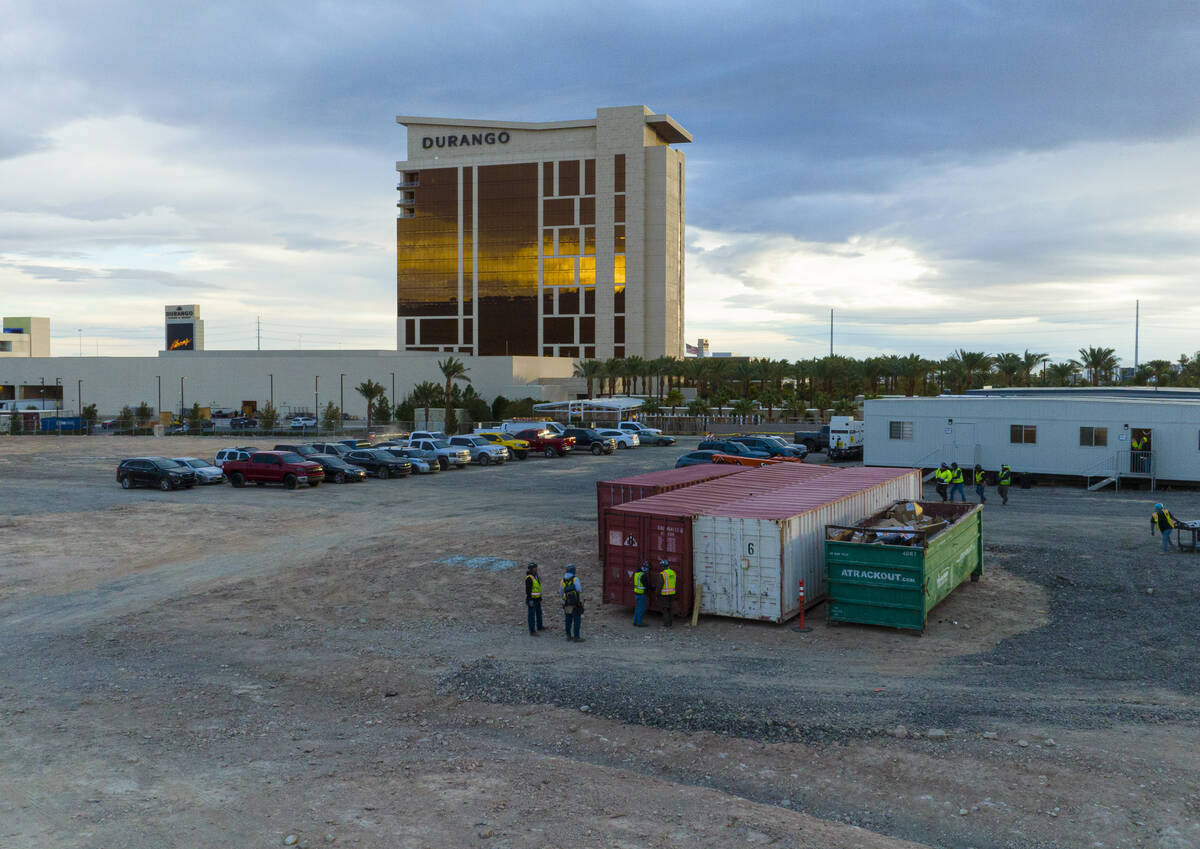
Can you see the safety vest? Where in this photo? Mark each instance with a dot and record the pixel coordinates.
(943, 476)
(1139, 444)
(535, 587)
(1159, 516)
(1005, 478)
(668, 587)
(639, 583)
(979, 477)
(956, 476)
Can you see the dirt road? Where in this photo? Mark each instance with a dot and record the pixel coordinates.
(349, 665)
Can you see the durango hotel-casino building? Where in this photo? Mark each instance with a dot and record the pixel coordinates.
(559, 239)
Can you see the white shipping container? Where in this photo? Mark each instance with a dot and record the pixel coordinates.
(751, 568)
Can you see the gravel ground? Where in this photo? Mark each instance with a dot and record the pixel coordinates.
(349, 665)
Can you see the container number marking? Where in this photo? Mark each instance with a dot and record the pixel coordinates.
(750, 549)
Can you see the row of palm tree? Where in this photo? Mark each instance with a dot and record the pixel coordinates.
(838, 376)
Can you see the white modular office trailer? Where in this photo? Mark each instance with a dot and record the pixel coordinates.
(1070, 434)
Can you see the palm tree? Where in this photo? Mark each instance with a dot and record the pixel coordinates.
(1059, 374)
(1158, 371)
(1098, 361)
(674, 399)
(425, 394)
(612, 370)
(769, 398)
(971, 365)
(589, 370)
(452, 370)
(370, 390)
(634, 368)
(746, 372)
(913, 368)
(716, 372)
(694, 371)
(1030, 362)
(1010, 367)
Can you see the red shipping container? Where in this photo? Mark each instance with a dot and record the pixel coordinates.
(623, 490)
(660, 528)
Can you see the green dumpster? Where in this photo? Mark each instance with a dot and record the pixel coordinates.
(899, 576)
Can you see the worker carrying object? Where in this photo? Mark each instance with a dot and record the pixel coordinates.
(666, 590)
(956, 482)
(1003, 482)
(942, 476)
(980, 483)
(572, 601)
(533, 600)
(1162, 519)
(641, 583)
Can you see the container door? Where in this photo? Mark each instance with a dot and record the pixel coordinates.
(670, 539)
(718, 571)
(622, 538)
(759, 558)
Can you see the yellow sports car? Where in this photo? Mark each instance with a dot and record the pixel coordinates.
(519, 448)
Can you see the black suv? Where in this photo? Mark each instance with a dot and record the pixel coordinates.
(242, 422)
(379, 463)
(726, 446)
(775, 449)
(586, 437)
(155, 471)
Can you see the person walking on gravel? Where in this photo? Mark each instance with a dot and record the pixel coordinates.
(942, 476)
(1003, 482)
(666, 590)
(956, 482)
(980, 483)
(533, 600)
(1162, 519)
(641, 583)
(572, 600)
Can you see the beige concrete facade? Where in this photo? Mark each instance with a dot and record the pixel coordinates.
(654, 224)
(24, 336)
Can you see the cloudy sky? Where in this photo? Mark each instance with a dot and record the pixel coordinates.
(995, 176)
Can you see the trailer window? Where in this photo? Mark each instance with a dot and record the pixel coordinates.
(1093, 437)
(900, 430)
(1022, 434)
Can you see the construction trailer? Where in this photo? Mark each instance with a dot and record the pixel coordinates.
(1105, 439)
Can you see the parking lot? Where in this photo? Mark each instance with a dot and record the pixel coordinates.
(350, 665)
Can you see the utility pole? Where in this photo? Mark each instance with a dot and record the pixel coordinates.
(1137, 320)
(831, 333)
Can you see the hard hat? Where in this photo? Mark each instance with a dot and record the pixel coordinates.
(1158, 506)
(532, 565)
(570, 569)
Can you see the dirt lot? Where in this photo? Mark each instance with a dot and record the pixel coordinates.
(349, 665)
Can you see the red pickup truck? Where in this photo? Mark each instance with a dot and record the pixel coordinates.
(282, 467)
(546, 442)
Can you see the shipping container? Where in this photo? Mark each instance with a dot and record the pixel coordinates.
(623, 490)
(660, 528)
(898, 585)
(750, 555)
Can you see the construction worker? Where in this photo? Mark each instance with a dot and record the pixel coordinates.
(572, 601)
(1137, 458)
(666, 590)
(980, 483)
(1003, 482)
(641, 583)
(956, 482)
(942, 476)
(1162, 519)
(533, 600)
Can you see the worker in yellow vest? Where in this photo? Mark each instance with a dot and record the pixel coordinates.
(641, 584)
(1003, 482)
(980, 483)
(533, 600)
(942, 476)
(1162, 519)
(666, 591)
(956, 482)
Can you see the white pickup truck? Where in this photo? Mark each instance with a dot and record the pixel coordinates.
(515, 426)
(647, 435)
(448, 455)
(482, 452)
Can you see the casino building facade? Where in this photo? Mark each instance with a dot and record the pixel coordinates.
(561, 239)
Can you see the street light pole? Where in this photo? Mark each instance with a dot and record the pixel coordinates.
(158, 409)
(342, 403)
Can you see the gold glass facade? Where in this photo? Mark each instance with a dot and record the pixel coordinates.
(477, 274)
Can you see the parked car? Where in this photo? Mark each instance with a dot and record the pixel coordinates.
(548, 443)
(797, 450)
(355, 443)
(206, 472)
(813, 440)
(155, 471)
(304, 449)
(241, 453)
(282, 467)
(338, 470)
(590, 438)
(516, 426)
(770, 446)
(337, 449)
(482, 452)
(518, 448)
(624, 439)
(427, 434)
(647, 435)
(301, 422)
(243, 423)
(696, 458)
(448, 455)
(423, 462)
(380, 463)
(203, 426)
(725, 446)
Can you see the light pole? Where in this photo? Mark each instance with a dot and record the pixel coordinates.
(79, 395)
(158, 409)
(182, 406)
(342, 403)
(272, 401)
(316, 404)
(393, 402)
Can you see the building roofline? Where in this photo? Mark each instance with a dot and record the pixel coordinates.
(668, 129)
